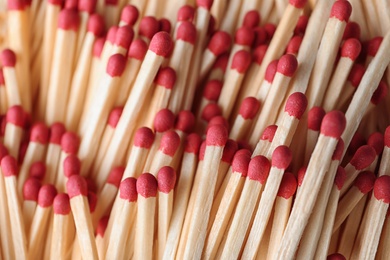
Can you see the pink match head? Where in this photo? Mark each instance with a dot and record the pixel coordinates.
(144, 137)
(269, 133)
(72, 165)
(221, 62)
(211, 110)
(137, 49)
(287, 65)
(281, 157)
(271, 71)
(376, 141)
(164, 120)
(165, 25)
(91, 185)
(357, 140)
(363, 157)
(57, 130)
(241, 61)
(352, 30)
(70, 142)
(185, 121)
(298, 3)
(98, 47)
(251, 19)
(206, 4)
(71, 4)
(300, 28)
(111, 34)
(229, 150)
(147, 185)
(259, 53)
(340, 177)
(166, 77)
(192, 143)
(219, 43)
(186, 32)
(351, 49)
(96, 25)
(338, 151)
(244, 36)
(217, 135)
(129, 15)
(46, 195)
(314, 118)
(241, 161)
(333, 124)
(365, 181)
(202, 150)
(301, 175)
(288, 186)
(2, 81)
(116, 65)
(166, 179)
(260, 36)
(9, 166)
(186, 13)
(92, 201)
(212, 90)
(77, 185)
(356, 74)
(258, 169)
(8, 58)
(37, 170)
(69, 19)
(115, 176)
(218, 120)
(294, 44)
(341, 10)
(249, 108)
(270, 29)
(31, 189)
(124, 36)
(387, 137)
(161, 44)
(373, 46)
(16, 116)
(61, 204)
(114, 116)
(56, 2)
(296, 105)
(102, 225)
(87, 6)
(382, 188)
(336, 256)
(148, 26)
(380, 93)
(3, 151)
(128, 189)
(16, 5)
(39, 133)
(170, 142)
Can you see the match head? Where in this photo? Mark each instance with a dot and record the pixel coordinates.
(166, 179)
(221, 62)
(87, 6)
(16, 116)
(92, 201)
(218, 120)
(356, 74)
(70, 142)
(3, 151)
(61, 204)
(166, 77)
(387, 137)
(186, 32)
(37, 170)
(241, 61)
(77, 185)
(338, 151)
(129, 15)
(69, 19)
(270, 29)
(288, 186)
(185, 121)
(296, 105)
(373, 46)
(363, 157)
(351, 49)
(116, 65)
(341, 10)
(376, 140)
(39, 133)
(9, 166)
(217, 135)
(8, 58)
(170, 142)
(148, 27)
(212, 90)
(333, 124)
(56, 2)
(111, 34)
(314, 118)
(2, 81)
(271, 71)
(111, 2)
(352, 30)
(71, 4)
(206, 4)
(251, 19)
(357, 140)
(260, 36)
(281, 157)
(258, 169)
(380, 93)
(102, 226)
(269, 133)
(249, 108)
(124, 36)
(128, 189)
(147, 185)
(98, 47)
(219, 43)
(244, 36)
(57, 130)
(298, 3)
(161, 44)
(114, 116)
(115, 176)
(382, 188)
(294, 44)
(165, 25)
(164, 120)
(210, 111)
(138, 49)
(240, 162)
(72, 165)
(31, 189)
(144, 138)
(16, 5)
(300, 28)
(46, 195)
(301, 175)
(259, 53)
(336, 256)
(340, 177)
(202, 150)
(229, 150)
(192, 143)
(365, 181)
(287, 65)
(185, 13)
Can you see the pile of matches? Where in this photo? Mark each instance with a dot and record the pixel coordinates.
(183, 129)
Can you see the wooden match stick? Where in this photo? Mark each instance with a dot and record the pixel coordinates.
(53, 152)
(30, 199)
(12, 90)
(14, 129)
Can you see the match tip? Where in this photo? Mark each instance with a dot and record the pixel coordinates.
(269, 133)
(164, 120)
(340, 177)
(336, 256)
(102, 226)
(357, 140)
(2, 81)
(333, 124)
(212, 90)
(16, 116)
(192, 143)
(69, 19)
(147, 185)
(338, 151)
(185, 121)
(221, 62)
(298, 3)
(186, 32)
(98, 47)
(244, 36)
(17, 5)
(76, 186)
(240, 162)
(296, 105)
(166, 77)
(219, 43)
(341, 10)
(352, 30)
(281, 157)
(87, 6)
(288, 186)
(166, 179)
(202, 149)
(271, 71)
(72, 165)
(229, 150)
(380, 93)
(241, 61)
(114, 116)
(92, 201)
(363, 157)
(61, 204)
(129, 15)
(258, 169)
(148, 27)
(218, 120)
(294, 44)
(138, 49)
(170, 142)
(39, 133)
(205, 3)
(387, 136)
(57, 130)
(161, 44)
(124, 36)
(210, 111)
(351, 49)
(301, 175)
(46, 195)
(300, 28)
(165, 25)
(251, 19)
(70, 142)
(8, 58)
(186, 13)
(37, 170)
(217, 135)
(3, 151)
(373, 46)
(116, 65)
(31, 189)
(376, 140)
(259, 53)
(382, 188)
(111, 34)
(144, 137)
(270, 29)
(261, 36)
(356, 74)
(128, 189)
(314, 118)
(9, 166)
(249, 108)
(287, 65)
(56, 2)
(115, 176)
(365, 181)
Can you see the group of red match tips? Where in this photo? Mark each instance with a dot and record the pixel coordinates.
(183, 129)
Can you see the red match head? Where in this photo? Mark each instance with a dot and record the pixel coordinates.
(357, 140)
(212, 90)
(365, 181)
(260, 36)
(351, 49)
(206, 4)
(114, 116)
(249, 108)
(71, 4)
(251, 19)
(165, 25)
(270, 30)
(92, 201)
(111, 34)
(128, 189)
(373, 46)
(241, 161)
(57, 130)
(244, 36)
(382, 189)
(124, 36)
(296, 105)
(333, 124)
(241, 61)
(258, 169)
(170, 142)
(115, 176)
(221, 62)
(31, 189)
(380, 93)
(9, 166)
(217, 135)
(144, 137)
(3, 151)
(298, 3)
(87, 6)
(17, 5)
(336, 256)
(294, 44)
(185, 121)
(219, 43)
(46, 195)
(259, 53)
(288, 186)
(229, 150)
(129, 15)
(186, 13)
(116, 65)
(2, 81)
(96, 25)
(39, 133)
(16, 116)
(202, 150)
(8, 58)
(69, 19)
(338, 151)
(164, 120)
(363, 157)
(61, 204)
(56, 2)
(166, 179)
(269, 133)
(271, 71)
(340, 177)
(300, 28)
(376, 140)
(98, 47)
(301, 175)
(186, 32)
(70, 142)
(192, 143)
(218, 120)
(314, 118)
(161, 44)
(72, 165)
(37, 170)
(387, 137)
(356, 74)
(352, 30)
(281, 157)
(147, 185)
(287, 65)
(148, 26)
(210, 111)
(77, 185)
(341, 10)
(102, 225)
(166, 77)
(138, 49)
